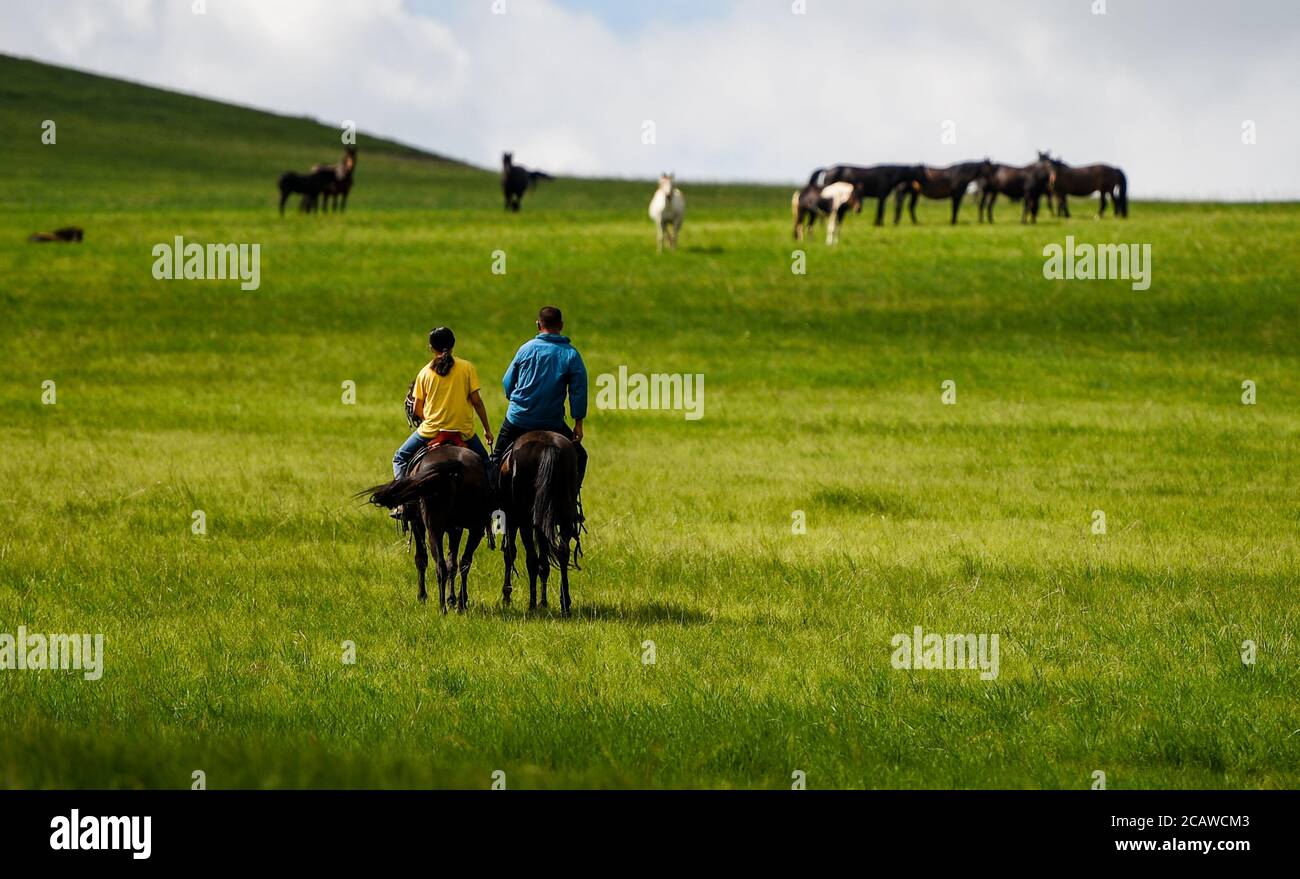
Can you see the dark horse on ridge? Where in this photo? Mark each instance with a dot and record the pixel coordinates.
(950, 182)
(320, 179)
(516, 180)
(335, 195)
(1028, 183)
(444, 492)
(1085, 180)
(539, 493)
(875, 181)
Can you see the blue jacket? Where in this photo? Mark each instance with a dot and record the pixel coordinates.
(545, 368)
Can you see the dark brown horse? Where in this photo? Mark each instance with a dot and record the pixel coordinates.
(1084, 180)
(950, 182)
(1040, 182)
(444, 493)
(539, 494)
(1014, 182)
(516, 180)
(334, 196)
(66, 235)
(316, 181)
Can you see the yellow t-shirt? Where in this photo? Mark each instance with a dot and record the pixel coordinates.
(445, 399)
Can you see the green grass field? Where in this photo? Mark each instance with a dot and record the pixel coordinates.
(1120, 652)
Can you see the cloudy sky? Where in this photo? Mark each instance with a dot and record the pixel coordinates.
(738, 89)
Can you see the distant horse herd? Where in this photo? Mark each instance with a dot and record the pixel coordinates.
(1047, 177)
(325, 186)
(831, 192)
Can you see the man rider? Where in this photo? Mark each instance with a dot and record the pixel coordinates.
(545, 369)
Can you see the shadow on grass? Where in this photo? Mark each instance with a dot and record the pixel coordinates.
(583, 612)
(713, 248)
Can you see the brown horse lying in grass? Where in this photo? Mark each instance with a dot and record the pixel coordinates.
(539, 493)
(444, 493)
(66, 235)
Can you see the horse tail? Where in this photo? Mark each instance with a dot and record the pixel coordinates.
(817, 177)
(411, 488)
(1121, 193)
(534, 176)
(554, 508)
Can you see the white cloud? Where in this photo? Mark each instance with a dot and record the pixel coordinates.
(752, 92)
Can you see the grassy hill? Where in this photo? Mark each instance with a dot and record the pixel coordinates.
(1120, 651)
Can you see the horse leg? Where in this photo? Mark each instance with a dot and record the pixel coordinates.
(564, 575)
(911, 206)
(898, 206)
(453, 549)
(471, 544)
(659, 236)
(284, 196)
(508, 550)
(1101, 212)
(440, 559)
(543, 561)
(440, 563)
(530, 561)
(421, 554)
(880, 210)
(956, 204)
(992, 201)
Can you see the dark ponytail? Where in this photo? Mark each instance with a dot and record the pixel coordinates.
(442, 339)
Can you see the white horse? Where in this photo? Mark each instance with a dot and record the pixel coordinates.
(667, 209)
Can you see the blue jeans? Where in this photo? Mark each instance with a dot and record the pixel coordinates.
(412, 445)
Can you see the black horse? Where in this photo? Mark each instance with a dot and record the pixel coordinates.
(950, 182)
(335, 195)
(1085, 180)
(310, 185)
(1040, 184)
(444, 493)
(539, 494)
(874, 181)
(1026, 182)
(516, 180)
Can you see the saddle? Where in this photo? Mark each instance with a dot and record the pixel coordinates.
(443, 438)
